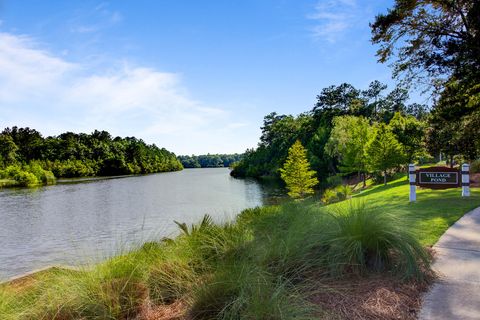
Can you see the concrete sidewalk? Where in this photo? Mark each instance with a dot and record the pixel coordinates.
(456, 295)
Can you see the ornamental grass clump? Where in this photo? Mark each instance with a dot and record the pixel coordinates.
(359, 238)
(8, 304)
(112, 290)
(289, 243)
(245, 291)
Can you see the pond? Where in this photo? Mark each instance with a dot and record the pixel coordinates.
(77, 222)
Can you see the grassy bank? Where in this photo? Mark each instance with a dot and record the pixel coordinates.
(295, 261)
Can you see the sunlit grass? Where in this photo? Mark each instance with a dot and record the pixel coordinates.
(432, 213)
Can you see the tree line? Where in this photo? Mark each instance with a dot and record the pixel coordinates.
(348, 131)
(79, 154)
(209, 160)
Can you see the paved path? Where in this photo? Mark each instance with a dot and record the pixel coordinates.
(456, 295)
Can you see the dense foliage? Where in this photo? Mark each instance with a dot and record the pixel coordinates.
(436, 43)
(384, 151)
(74, 155)
(336, 131)
(209, 160)
(26, 175)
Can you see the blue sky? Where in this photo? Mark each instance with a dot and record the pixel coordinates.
(192, 76)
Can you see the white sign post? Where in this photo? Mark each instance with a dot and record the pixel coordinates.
(465, 180)
(412, 176)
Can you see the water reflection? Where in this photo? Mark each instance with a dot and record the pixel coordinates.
(73, 223)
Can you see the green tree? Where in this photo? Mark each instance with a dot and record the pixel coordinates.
(384, 152)
(8, 150)
(455, 122)
(436, 42)
(296, 172)
(410, 133)
(347, 142)
(430, 38)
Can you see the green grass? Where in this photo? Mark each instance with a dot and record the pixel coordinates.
(432, 213)
(262, 266)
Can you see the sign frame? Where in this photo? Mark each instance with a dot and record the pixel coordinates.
(462, 177)
(438, 185)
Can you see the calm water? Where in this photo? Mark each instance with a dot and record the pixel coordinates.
(82, 222)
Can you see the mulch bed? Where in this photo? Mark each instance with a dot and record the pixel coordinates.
(376, 296)
(173, 311)
(371, 297)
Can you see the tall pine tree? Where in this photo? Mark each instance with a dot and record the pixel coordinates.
(296, 172)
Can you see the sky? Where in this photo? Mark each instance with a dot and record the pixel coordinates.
(192, 76)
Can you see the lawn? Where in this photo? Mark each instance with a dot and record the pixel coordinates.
(432, 213)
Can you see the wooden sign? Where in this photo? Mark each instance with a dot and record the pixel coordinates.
(438, 178)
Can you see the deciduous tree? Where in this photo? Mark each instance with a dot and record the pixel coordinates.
(347, 142)
(384, 152)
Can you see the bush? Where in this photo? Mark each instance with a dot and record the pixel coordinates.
(73, 168)
(26, 179)
(475, 166)
(27, 175)
(44, 176)
(334, 181)
(339, 193)
(360, 238)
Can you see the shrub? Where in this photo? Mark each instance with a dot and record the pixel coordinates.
(360, 238)
(28, 175)
(26, 179)
(73, 168)
(329, 196)
(10, 172)
(45, 176)
(339, 193)
(334, 181)
(343, 192)
(475, 166)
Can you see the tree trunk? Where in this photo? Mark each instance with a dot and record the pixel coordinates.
(385, 177)
(364, 178)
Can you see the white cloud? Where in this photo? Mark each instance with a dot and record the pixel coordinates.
(84, 29)
(45, 91)
(334, 18)
(95, 20)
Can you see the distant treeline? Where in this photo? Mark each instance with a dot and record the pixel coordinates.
(76, 155)
(210, 160)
